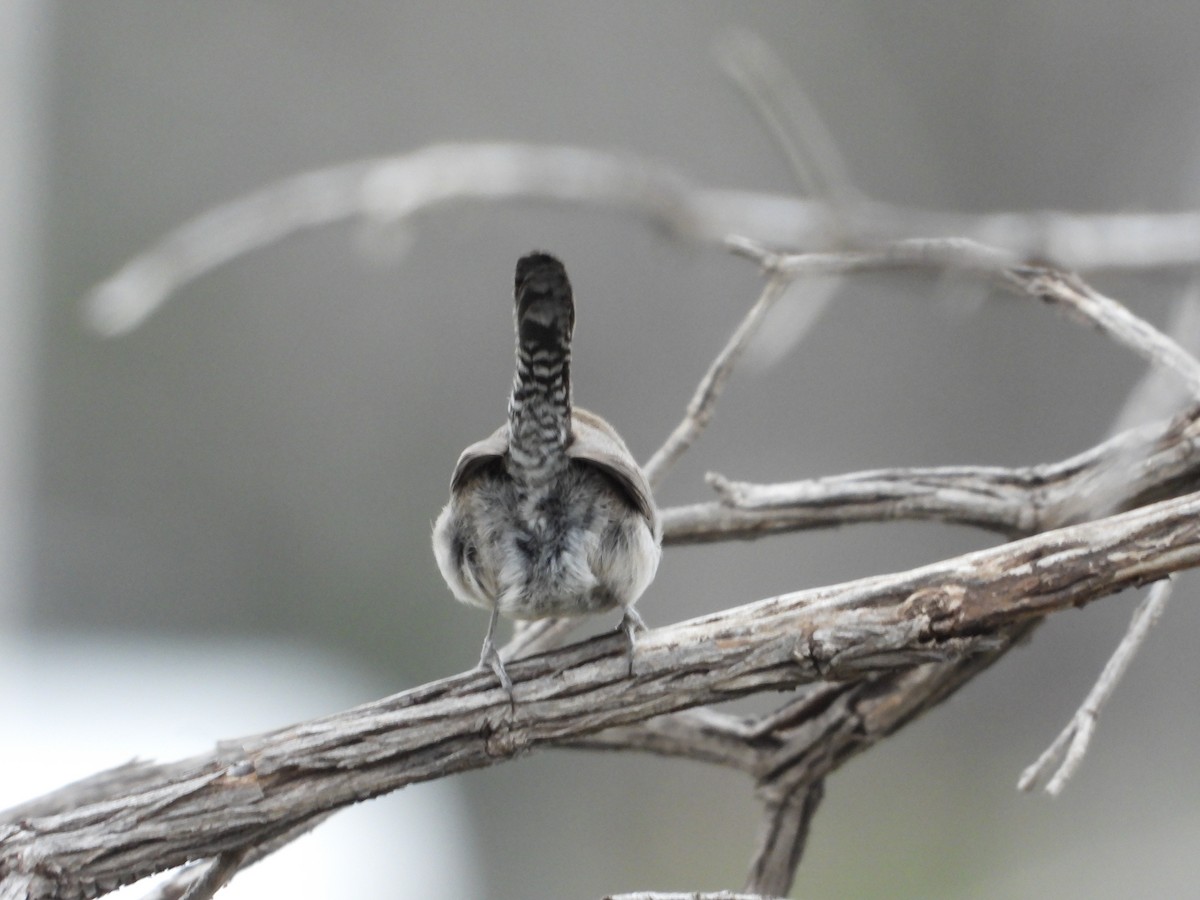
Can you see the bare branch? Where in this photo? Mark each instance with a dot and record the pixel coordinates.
(1158, 393)
(1012, 502)
(1058, 763)
(1088, 305)
(955, 253)
(1062, 289)
(990, 497)
(944, 612)
(820, 171)
(785, 831)
(397, 188)
(1054, 768)
(699, 734)
(791, 118)
(689, 895)
(703, 403)
(216, 875)
(177, 886)
(827, 724)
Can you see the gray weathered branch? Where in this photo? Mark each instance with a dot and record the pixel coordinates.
(251, 791)
(1060, 760)
(391, 189)
(786, 820)
(1011, 501)
(1132, 468)
(700, 408)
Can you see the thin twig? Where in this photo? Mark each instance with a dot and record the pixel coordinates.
(703, 403)
(1083, 302)
(819, 167)
(958, 254)
(1062, 289)
(689, 895)
(1054, 768)
(1157, 394)
(791, 118)
(177, 886)
(216, 875)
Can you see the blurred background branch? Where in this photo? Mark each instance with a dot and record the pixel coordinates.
(387, 191)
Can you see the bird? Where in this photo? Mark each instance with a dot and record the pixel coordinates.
(550, 515)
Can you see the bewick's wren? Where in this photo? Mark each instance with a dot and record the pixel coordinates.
(550, 515)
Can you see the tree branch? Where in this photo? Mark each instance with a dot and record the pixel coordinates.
(177, 886)
(1053, 286)
(786, 822)
(398, 188)
(790, 117)
(1134, 468)
(946, 612)
(703, 403)
(214, 875)
(1062, 758)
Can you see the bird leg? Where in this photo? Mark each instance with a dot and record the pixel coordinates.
(631, 624)
(489, 658)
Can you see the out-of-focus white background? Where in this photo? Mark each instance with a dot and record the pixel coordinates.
(219, 524)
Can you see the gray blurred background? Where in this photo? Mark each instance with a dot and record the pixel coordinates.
(262, 460)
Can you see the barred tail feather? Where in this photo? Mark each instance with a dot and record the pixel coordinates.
(539, 408)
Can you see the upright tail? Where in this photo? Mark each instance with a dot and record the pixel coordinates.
(539, 409)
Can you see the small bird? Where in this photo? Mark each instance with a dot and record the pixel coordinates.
(550, 515)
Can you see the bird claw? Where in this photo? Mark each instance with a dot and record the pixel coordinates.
(490, 659)
(631, 624)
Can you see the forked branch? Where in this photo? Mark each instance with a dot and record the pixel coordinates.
(261, 787)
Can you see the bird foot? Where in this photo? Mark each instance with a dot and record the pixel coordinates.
(490, 659)
(631, 624)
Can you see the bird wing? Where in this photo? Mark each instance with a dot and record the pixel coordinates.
(481, 453)
(597, 443)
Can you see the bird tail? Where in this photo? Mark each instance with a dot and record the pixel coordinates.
(539, 408)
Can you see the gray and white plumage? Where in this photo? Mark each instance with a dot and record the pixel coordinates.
(550, 515)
